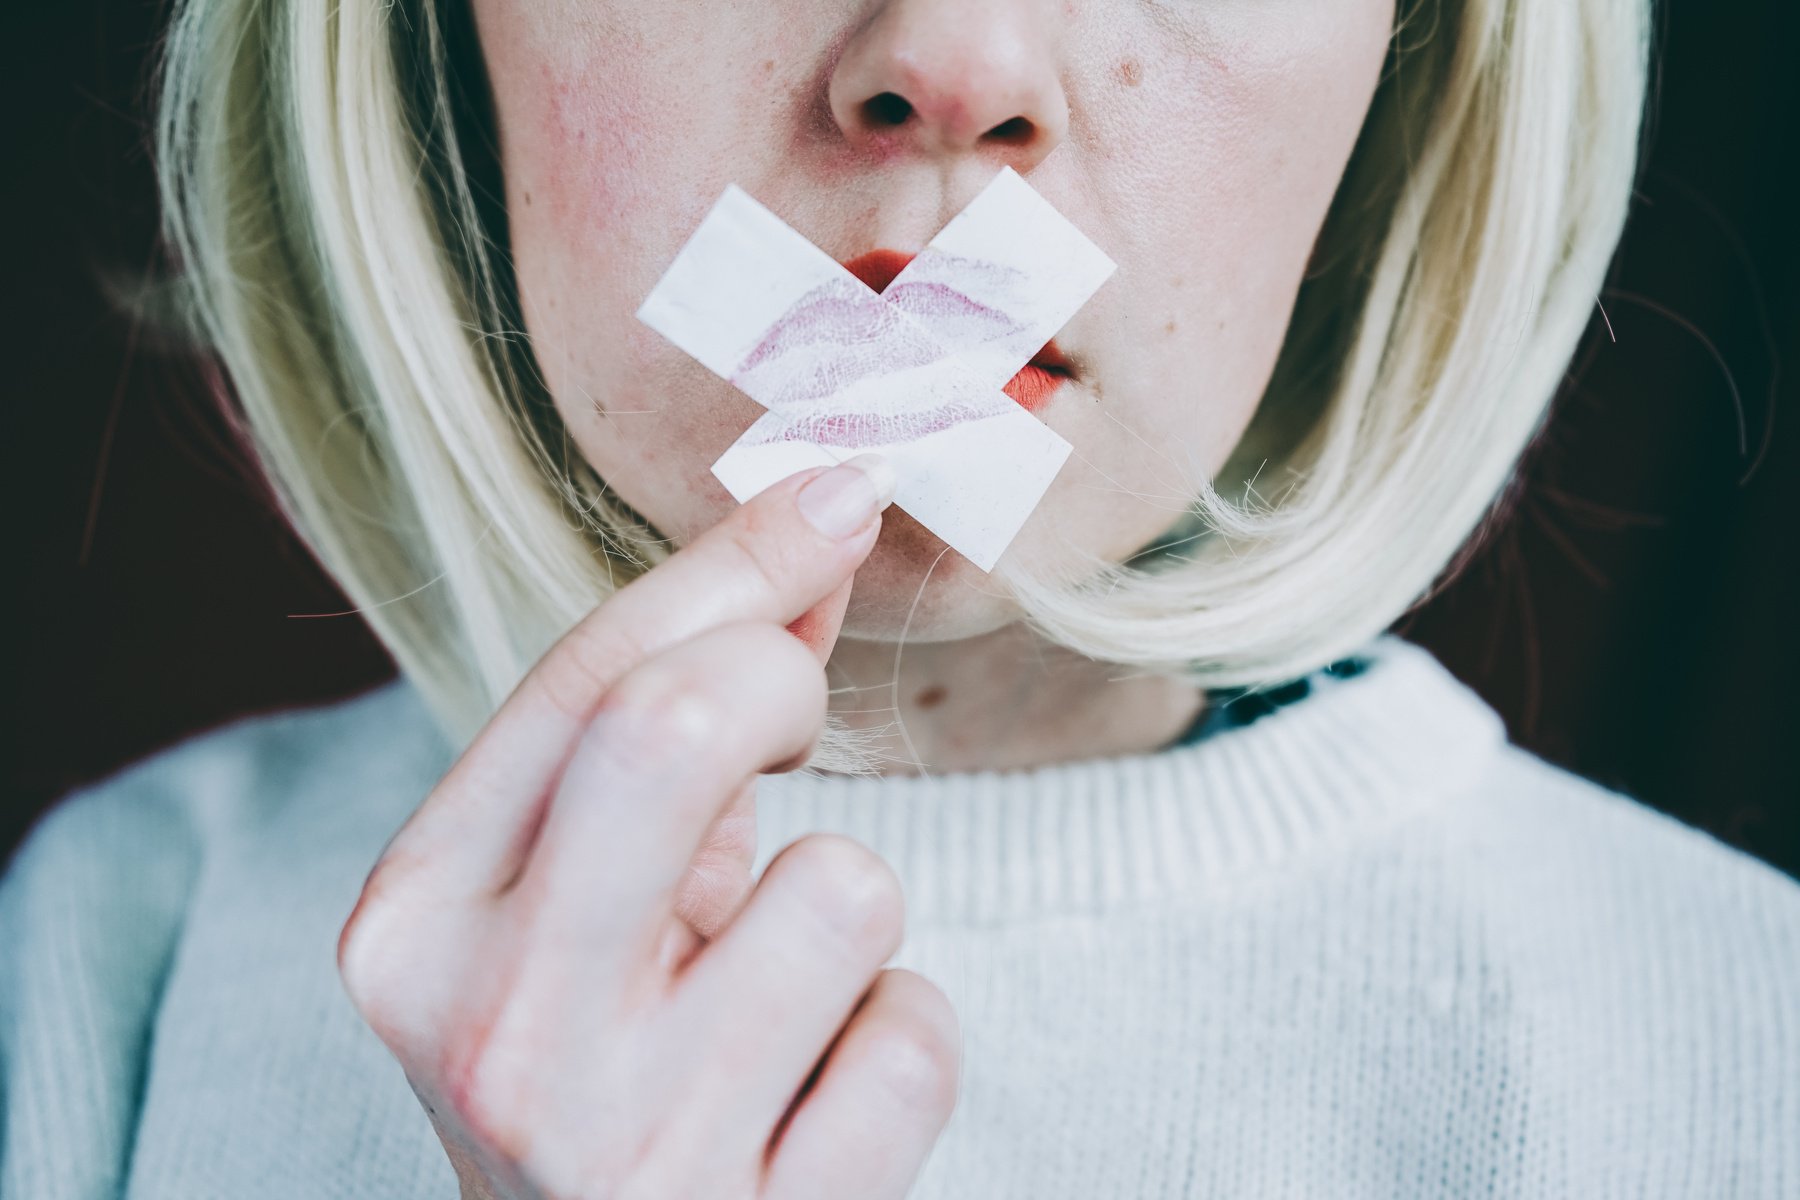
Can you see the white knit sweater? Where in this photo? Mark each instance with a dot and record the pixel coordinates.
(1359, 948)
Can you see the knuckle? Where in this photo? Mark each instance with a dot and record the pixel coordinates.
(575, 673)
(354, 969)
(496, 1102)
(914, 1061)
(365, 942)
(680, 705)
(848, 886)
(750, 549)
(666, 711)
(507, 1098)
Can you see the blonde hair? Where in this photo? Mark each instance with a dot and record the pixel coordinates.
(341, 251)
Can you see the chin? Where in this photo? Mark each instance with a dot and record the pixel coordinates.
(910, 584)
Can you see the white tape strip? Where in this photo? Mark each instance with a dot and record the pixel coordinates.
(913, 373)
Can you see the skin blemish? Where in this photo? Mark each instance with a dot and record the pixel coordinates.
(1169, 328)
(931, 697)
(1129, 72)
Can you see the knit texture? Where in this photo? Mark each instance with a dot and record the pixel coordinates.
(1361, 947)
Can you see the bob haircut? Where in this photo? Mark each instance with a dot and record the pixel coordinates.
(330, 187)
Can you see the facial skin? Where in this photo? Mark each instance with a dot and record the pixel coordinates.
(1197, 142)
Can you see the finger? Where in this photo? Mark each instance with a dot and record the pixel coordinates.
(766, 561)
(718, 878)
(673, 743)
(717, 882)
(818, 626)
(758, 1006)
(884, 1094)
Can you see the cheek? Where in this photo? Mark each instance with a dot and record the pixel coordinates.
(1207, 165)
(600, 166)
(1223, 152)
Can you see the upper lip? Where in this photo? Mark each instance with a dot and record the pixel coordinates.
(834, 340)
(1052, 359)
(880, 266)
(831, 341)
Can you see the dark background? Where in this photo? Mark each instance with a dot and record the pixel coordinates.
(1633, 619)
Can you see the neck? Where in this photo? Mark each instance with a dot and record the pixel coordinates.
(1006, 699)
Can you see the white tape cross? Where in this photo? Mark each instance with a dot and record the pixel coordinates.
(913, 373)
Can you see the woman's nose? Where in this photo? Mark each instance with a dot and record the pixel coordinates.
(950, 78)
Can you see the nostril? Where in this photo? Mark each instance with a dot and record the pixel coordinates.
(886, 109)
(1014, 132)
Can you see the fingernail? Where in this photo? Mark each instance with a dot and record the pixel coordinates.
(847, 497)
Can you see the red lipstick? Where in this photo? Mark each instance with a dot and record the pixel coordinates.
(1035, 383)
(877, 268)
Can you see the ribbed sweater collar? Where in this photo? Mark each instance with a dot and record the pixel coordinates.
(1309, 779)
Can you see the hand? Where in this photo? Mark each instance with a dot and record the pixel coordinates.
(562, 947)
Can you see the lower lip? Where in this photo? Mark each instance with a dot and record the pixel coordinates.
(1031, 388)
